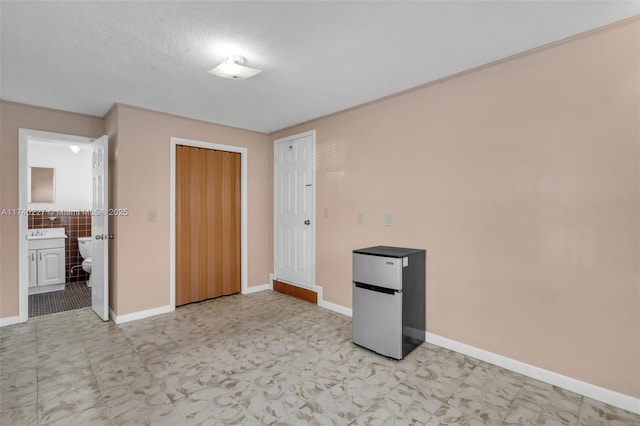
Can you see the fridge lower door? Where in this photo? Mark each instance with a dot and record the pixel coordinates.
(377, 319)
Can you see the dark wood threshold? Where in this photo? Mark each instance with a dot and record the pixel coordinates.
(292, 290)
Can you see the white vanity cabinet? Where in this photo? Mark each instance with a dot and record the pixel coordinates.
(33, 268)
(51, 266)
(46, 264)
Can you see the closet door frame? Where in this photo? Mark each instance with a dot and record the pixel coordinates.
(174, 142)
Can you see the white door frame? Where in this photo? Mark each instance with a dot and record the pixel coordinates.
(24, 135)
(311, 133)
(244, 269)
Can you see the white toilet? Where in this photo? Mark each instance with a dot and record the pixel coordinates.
(86, 251)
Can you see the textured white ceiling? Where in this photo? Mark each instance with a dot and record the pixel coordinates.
(317, 57)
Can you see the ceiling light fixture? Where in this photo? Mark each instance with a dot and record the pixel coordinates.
(74, 148)
(233, 68)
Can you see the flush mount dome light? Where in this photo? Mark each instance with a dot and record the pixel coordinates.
(233, 68)
(74, 148)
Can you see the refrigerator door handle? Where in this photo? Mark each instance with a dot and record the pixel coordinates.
(376, 288)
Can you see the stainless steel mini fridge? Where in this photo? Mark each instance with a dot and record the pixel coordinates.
(389, 299)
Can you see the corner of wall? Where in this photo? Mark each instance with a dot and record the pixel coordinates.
(111, 129)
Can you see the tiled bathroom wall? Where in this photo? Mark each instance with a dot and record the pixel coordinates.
(75, 224)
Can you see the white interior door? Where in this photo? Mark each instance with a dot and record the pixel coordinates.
(100, 228)
(294, 193)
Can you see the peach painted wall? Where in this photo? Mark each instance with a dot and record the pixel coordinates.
(142, 183)
(12, 117)
(521, 180)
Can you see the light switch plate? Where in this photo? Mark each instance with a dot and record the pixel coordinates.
(360, 218)
(326, 212)
(153, 215)
(388, 219)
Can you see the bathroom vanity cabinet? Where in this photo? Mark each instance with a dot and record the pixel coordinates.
(46, 265)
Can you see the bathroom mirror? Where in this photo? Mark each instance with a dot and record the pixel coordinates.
(42, 184)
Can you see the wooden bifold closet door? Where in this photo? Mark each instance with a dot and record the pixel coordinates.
(207, 224)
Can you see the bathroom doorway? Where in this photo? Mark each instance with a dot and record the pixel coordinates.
(55, 230)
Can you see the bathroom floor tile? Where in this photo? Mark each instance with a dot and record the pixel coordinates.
(75, 296)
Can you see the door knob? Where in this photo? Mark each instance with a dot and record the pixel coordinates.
(307, 222)
(100, 237)
(111, 236)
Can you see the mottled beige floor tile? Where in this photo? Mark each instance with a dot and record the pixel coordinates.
(147, 339)
(403, 369)
(65, 404)
(57, 363)
(18, 388)
(67, 382)
(598, 413)
(186, 377)
(551, 395)
(58, 346)
(344, 401)
(264, 358)
(378, 414)
(317, 414)
(119, 371)
(161, 354)
(448, 415)
(523, 412)
(421, 354)
(441, 379)
(16, 330)
(542, 403)
(213, 405)
(18, 357)
(487, 393)
(123, 403)
(91, 416)
(131, 390)
(480, 408)
(22, 415)
(410, 403)
(159, 415)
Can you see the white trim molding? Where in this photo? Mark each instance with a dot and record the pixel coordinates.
(592, 391)
(330, 305)
(9, 321)
(120, 319)
(244, 247)
(24, 136)
(256, 289)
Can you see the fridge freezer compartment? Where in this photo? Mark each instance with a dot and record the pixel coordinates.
(378, 271)
(377, 319)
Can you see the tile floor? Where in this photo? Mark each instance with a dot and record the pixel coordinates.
(76, 295)
(263, 358)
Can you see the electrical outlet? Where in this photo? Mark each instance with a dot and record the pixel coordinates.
(360, 218)
(388, 219)
(153, 215)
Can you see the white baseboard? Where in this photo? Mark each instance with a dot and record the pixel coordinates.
(9, 321)
(335, 307)
(119, 319)
(329, 305)
(592, 391)
(257, 288)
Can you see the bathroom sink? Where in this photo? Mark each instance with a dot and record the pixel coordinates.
(45, 234)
